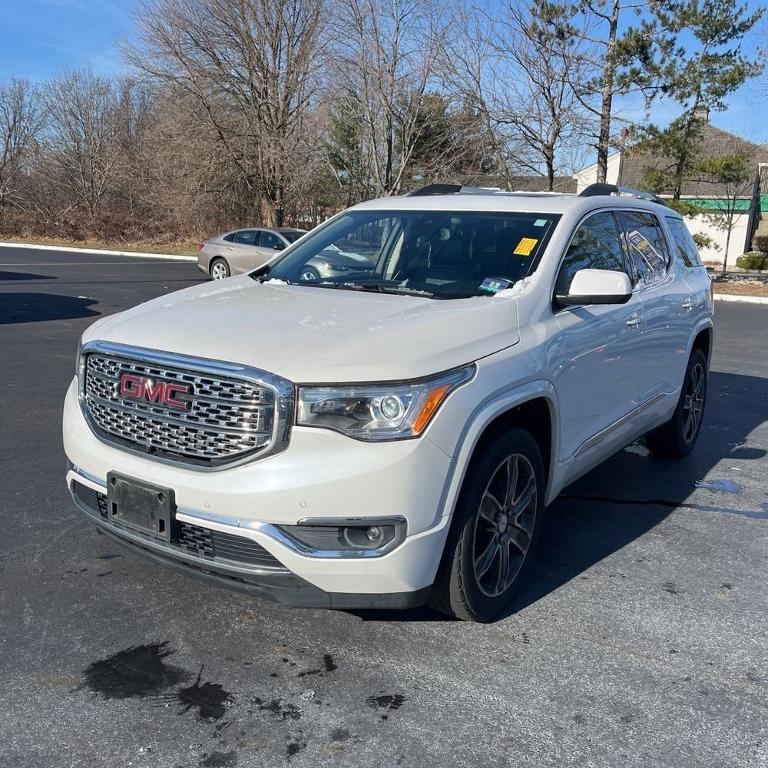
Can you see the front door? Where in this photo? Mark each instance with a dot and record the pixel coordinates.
(594, 350)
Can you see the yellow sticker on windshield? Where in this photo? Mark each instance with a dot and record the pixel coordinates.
(525, 246)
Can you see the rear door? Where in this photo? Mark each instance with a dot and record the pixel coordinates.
(663, 293)
(244, 253)
(597, 370)
(699, 303)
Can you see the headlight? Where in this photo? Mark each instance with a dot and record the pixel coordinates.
(378, 411)
(331, 267)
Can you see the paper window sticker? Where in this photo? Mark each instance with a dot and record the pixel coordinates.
(540, 223)
(525, 246)
(494, 284)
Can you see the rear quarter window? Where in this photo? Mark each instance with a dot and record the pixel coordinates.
(684, 244)
(647, 246)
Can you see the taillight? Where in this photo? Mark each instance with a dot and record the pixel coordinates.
(200, 246)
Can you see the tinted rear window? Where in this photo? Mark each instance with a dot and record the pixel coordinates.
(684, 244)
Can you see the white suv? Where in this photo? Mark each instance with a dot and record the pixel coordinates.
(393, 436)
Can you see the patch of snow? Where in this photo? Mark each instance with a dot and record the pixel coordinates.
(638, 449)
(275, 281)
(515, 290)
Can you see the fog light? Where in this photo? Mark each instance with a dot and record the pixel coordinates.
(373, 534)
(372, 537)
(328, 535)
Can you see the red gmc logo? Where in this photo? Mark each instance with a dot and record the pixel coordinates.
(162, 392)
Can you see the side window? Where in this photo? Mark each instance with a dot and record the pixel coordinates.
(646, 246)
(686, 248)
(230, 238)
(245, 237)
(270, 240)
(594, 245)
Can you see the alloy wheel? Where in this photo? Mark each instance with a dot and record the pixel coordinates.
(693, 401)
(219, 271)
(504, 525)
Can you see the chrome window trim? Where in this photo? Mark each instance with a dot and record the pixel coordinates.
(284, 405)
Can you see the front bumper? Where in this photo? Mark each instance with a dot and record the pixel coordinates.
(322, 474)
(263, 576)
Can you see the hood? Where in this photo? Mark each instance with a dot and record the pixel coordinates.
(318, 335)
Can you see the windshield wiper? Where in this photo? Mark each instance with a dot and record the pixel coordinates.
(378, 288)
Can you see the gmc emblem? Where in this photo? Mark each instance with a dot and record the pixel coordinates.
(162, 392)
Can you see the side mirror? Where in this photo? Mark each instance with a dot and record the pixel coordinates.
(597, 286)
(280, 245)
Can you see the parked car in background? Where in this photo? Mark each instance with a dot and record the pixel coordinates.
(243, 250)
(246, 249)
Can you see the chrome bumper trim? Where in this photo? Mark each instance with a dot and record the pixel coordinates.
(231, 525)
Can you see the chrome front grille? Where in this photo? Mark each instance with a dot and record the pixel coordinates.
(232, 412)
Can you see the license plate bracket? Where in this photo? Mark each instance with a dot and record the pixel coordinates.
(146, 507)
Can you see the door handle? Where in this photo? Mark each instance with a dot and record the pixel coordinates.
(634, 320)
(689, 303)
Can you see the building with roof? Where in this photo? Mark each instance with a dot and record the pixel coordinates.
(628, 167)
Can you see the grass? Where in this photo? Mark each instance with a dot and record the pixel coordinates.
(187, 248)
(742, 288)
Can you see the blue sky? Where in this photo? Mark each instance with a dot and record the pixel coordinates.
(41, 38)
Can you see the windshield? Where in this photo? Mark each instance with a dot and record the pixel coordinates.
(438, 254)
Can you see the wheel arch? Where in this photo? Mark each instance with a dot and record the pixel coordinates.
(703, 341)
(533, 407)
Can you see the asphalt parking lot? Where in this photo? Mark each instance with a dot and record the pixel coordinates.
(642, 639)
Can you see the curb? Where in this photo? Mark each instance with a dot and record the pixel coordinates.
(99, 252)
(742, 299)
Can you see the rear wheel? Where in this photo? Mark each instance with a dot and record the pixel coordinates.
(220, 269)
(676, 438)
(494, 532)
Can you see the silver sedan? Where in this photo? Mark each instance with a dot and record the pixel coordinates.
(242, 250)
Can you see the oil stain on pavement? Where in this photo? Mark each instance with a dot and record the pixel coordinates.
(209, 699)
(136, 672)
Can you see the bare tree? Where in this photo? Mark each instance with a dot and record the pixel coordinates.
(82, 137)
(21, 118)
(386, 58)
(251, 68)
(517, 67)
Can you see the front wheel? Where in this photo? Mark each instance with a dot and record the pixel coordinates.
(494, 532)
(676, 438)
(309, 275)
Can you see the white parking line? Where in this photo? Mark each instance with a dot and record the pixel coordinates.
(742, 299)
(75, 264)
(98, 252)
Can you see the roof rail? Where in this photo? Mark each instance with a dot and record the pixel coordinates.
(593, 190)
(435, 189)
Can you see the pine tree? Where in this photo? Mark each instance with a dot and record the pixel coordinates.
(699, 76)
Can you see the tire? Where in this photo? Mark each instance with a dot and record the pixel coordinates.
(468, 584)
(676, 438)
(219, 269)
(309, 275)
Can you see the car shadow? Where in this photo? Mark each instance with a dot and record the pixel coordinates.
(35, 307)
(632, 492)
(9, 276)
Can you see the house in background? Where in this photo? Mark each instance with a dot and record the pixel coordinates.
(627, 167)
